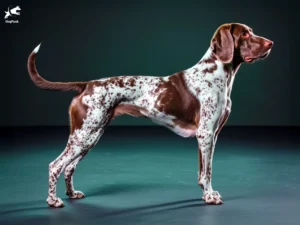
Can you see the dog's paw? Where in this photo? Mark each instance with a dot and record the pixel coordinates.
(55, 202)
(213, 198)
(75, 194)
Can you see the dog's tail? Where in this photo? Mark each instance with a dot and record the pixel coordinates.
(48, 85)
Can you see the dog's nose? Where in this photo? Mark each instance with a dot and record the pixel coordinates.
(269, 43)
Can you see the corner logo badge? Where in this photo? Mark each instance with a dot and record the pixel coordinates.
(12, 12)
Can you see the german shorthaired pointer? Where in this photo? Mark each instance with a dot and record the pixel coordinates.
(192, 103)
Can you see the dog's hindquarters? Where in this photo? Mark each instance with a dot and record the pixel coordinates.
(90, 112)
(87, 126)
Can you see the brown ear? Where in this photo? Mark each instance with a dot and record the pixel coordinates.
(222, 44)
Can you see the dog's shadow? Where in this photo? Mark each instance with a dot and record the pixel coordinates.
(119, 188)
(77, 211)
(132, 214)
(125, 187)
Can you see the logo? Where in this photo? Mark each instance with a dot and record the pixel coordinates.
(12, 12)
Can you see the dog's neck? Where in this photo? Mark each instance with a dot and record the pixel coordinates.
(210, 61)
(210, 69)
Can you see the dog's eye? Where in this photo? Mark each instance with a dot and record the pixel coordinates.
(245, 34)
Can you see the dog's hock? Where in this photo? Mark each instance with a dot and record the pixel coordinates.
(37, 48)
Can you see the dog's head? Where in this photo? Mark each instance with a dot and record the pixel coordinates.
(238, 40)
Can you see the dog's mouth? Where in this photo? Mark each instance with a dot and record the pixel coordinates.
(252, 59)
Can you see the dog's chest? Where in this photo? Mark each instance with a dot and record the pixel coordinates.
(175, 107)
(209, 79)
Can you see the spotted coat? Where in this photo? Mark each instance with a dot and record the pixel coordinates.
(192, 103)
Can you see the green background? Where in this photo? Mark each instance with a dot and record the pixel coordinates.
(86, 40)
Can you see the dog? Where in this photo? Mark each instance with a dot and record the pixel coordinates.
(12, 12)
(192, 103)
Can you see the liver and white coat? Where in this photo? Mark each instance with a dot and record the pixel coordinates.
(192, 103)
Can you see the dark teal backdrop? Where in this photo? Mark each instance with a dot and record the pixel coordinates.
(85, 40)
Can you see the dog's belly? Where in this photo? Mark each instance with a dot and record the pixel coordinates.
(179, 126)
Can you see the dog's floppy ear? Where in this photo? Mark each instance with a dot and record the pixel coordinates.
(222, 44)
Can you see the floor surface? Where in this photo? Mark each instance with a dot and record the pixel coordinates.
(148, 175)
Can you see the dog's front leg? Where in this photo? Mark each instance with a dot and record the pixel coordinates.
(211, 110)
(224, 117)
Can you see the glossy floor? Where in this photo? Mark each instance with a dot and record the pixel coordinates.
(148, 175)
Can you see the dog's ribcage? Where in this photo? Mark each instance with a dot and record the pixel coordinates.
(156, 100)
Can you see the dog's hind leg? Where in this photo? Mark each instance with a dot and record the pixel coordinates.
(78, 145)
(87, 125)
(69, 171)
